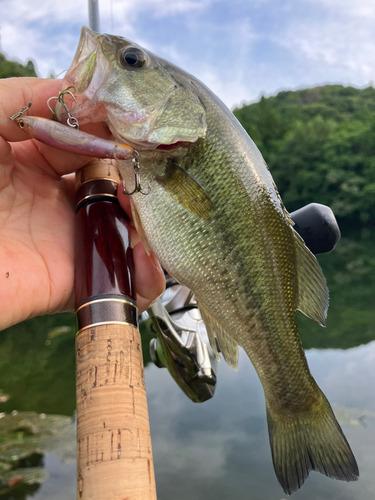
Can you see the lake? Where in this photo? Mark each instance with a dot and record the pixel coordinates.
(217, 450)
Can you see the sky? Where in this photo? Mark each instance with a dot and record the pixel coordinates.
(241, 49)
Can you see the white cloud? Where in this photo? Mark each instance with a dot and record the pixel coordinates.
(238, 48)
(166, 7)
(26, 12)
(359, 8)
(333, 42)
(42, 30)
(35, 30)
(218, 59)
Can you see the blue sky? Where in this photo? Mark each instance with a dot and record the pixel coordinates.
(239, 48)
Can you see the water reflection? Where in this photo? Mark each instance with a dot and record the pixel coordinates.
(61, 484)
(219, 449)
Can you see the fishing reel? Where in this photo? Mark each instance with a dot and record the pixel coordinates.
(181, 343)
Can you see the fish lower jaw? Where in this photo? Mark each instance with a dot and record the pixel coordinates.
(144, 145)
(137, 145)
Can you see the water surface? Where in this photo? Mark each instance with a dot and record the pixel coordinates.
(217, 450)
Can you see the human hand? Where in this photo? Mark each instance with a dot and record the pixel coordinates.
(37, 216)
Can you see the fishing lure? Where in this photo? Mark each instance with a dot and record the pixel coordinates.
(137, 179)
(25, 108)
(71, 139)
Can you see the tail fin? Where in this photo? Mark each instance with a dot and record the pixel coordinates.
(310, 441)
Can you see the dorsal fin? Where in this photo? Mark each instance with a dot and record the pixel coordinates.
(312, 296)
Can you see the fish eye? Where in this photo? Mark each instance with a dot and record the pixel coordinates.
(132, 57)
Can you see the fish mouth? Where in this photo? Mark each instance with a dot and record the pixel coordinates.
(140, 123)
(80, 79)
(85, 60)
(101, 127)
(87, 73)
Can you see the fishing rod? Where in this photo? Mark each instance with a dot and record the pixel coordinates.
(114, 457)
(114, 454)
(108, 328)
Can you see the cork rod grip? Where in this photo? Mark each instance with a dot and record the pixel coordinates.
(114, 454)
(113, 434)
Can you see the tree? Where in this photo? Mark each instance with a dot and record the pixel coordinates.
(319, 146)
(13, 68)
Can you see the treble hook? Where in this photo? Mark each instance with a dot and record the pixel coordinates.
(137, 178)
(71, 121)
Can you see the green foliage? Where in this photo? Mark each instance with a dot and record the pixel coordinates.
(37, 364)
(350, 274)
(319, 145)
(36, 368)
(13, 68)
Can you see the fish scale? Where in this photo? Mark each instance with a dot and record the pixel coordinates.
(216, 222)
(251, 297)
(218, 291)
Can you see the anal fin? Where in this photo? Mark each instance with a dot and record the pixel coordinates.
(220, 339)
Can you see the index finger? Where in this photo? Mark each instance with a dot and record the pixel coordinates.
(15, 93)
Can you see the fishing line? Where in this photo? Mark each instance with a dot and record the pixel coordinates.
(61, 72)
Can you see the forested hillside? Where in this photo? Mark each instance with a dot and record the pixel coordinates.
(13, 68)
(319, 145)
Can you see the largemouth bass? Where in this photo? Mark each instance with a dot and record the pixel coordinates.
(217, 224)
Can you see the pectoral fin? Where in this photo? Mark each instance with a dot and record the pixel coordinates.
(313, 296)
(185, 190)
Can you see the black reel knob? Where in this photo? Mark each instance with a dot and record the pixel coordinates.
(318, 227)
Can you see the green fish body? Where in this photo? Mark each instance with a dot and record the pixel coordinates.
(217, 224)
